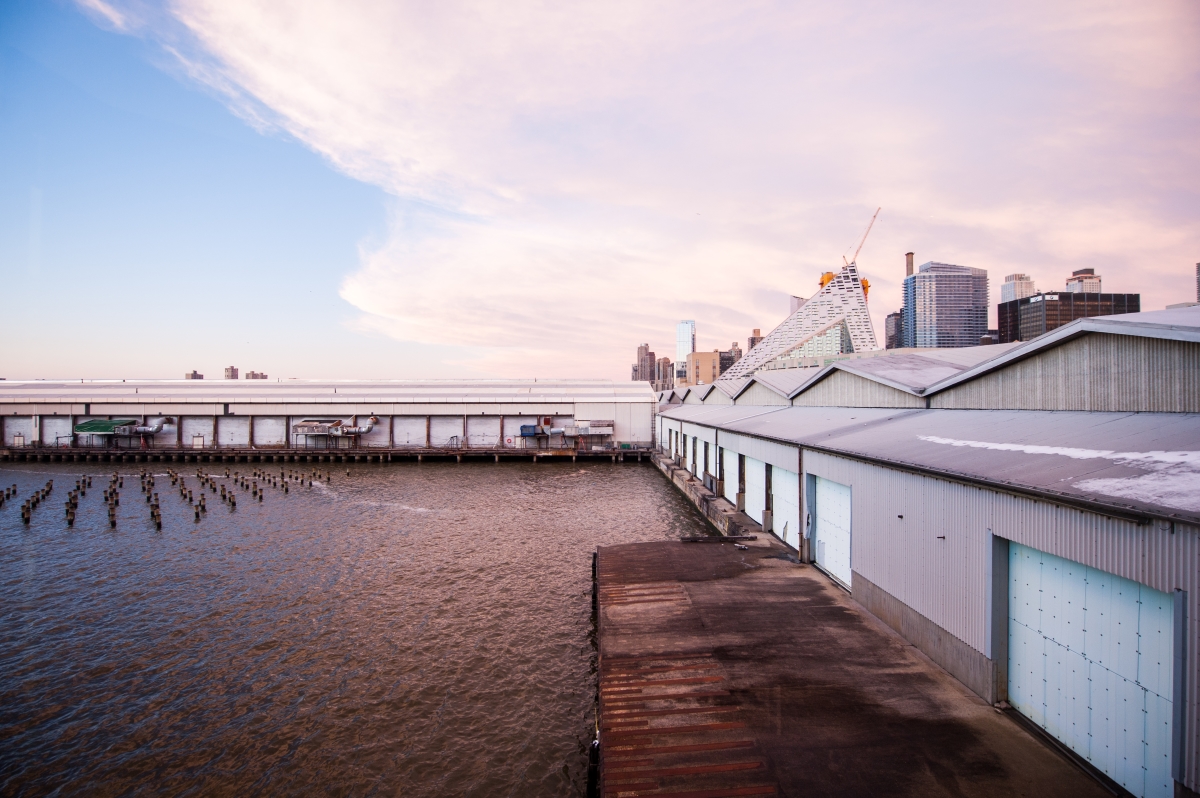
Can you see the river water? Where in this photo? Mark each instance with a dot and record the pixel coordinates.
(401, 630)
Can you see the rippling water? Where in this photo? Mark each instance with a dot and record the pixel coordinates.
(414, 630)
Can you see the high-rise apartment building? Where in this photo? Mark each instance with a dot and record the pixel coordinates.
(730, 356)
(664, 374)
(1016, 286)
(754, 338)
(1027, 318)
(255, 375)
(685, 344)
(945, 306)
(643, 369)
(231, 372)
(893, 330)
(1083, 281)
(703, 368)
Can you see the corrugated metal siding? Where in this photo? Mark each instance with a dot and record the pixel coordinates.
(702, 433)
(777, 454)
(408, 430)
(717, 397)
(759, 395)
(198, 425)
(55, 427)
(842, 389)
(948, 580)
(444, 430)
(270, 431)
(1096, 372)
(233, 431)
(483, 431)
(18, 425)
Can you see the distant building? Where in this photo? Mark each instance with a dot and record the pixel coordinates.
(1026, 319)
(893, 330)
(231, 372)
(685, 344)
(703, 368)
(1083, 281)
(945, 306)
(195, 375)
(643, 369)
(755, 337)
(730, 356)
(255, 375)
(664, 374)
(1016, 286)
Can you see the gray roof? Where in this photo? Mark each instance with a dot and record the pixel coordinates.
(317, 391)
(1142, 464)
(1179, 324)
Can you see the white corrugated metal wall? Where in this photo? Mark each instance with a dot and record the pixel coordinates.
(55, 427)
(270, 431)
(18, 425)
(198, 426)
(483, 431)
(233, 431)
(445, 430)
(408, 430)
(948, 580)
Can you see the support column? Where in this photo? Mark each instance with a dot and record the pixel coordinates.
(427, 431)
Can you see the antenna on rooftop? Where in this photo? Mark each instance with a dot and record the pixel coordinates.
(864, 239)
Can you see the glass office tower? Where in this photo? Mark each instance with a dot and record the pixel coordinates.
(945, 306)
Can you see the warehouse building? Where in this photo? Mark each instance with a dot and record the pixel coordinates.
(555, 415)
(1029, 519)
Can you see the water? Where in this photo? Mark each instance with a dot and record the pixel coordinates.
(413, 630)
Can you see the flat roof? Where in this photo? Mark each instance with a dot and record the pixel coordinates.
(323, 391)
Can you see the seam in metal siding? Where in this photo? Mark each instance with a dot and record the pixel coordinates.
(1099, 371)
(948, 580)
(842, 389)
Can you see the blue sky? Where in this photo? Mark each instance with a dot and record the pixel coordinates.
(145, 230)
(384, 189)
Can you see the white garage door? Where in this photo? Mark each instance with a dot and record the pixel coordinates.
(730, 461)
(483, 431)
(785, 505)
(756, 488)
(1090, 662)
(446, 431)
(831, 536)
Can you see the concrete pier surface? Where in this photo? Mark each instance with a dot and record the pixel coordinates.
(730, 671)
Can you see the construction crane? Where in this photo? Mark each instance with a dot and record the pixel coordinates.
(864, 239)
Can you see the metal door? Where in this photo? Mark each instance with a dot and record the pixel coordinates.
(756, 488)
(832, 534)
(1090, 661)
(785, 505)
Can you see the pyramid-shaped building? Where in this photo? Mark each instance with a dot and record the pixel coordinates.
(840, 301)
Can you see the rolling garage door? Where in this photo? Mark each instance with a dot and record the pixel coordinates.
(1090, 661)
(756, 488)
(831, 536)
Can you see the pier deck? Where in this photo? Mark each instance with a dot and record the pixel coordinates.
(738, 672)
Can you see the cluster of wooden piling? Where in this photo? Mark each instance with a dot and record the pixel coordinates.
(33, 501)
(256, 484)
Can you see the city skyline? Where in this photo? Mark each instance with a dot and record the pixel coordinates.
(212, 180)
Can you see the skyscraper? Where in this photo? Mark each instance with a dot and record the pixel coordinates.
(945, 306)
(1083, 281)
(1016, 286)
(685, 344)
(755, 337)
(643, 369)
(893, 330)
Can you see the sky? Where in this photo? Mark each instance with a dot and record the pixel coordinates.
(532, 189)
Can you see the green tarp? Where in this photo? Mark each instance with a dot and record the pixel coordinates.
(102, 426)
